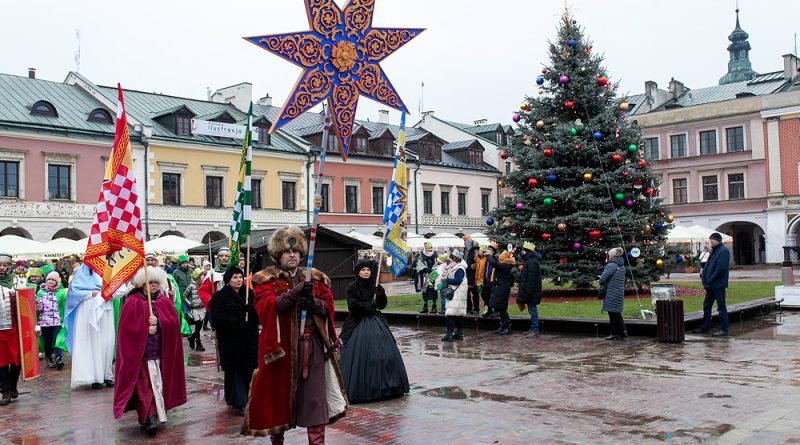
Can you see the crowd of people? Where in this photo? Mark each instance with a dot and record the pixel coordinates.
(284, 363)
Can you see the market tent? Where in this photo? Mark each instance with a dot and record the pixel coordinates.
(695, 233)
(61, 247)
(446, 239)
(374, 241)
(16, 245)
(171, 245)
(705, 232)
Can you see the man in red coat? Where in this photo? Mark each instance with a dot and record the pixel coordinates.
(290, 387)
(149, 367)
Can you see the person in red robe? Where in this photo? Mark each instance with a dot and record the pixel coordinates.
(149, 366)
(297, 382)
(9, 339)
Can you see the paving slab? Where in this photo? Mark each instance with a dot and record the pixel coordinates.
(488, 389)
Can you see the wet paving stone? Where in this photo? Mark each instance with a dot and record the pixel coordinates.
(488, 389)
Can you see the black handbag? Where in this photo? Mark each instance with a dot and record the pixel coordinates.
(448, 293)
(601, 293)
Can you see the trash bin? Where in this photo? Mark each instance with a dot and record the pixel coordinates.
(669, 321)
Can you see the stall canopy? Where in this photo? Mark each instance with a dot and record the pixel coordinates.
(16, 245)
(171, 245)
(695, 233)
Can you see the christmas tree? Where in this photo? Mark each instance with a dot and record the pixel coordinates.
(580, 185)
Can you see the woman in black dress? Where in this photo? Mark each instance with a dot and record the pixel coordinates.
(237, 337)
(372, 367)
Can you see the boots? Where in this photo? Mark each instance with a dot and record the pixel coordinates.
(449, 335)
(59, 363)
(191, 342)
(151, 427)
(6, 399)
(505, 329)
(425, 308)
(316, 435)
(276, 440)
(459, 335)
(50, 363)
(199, 346)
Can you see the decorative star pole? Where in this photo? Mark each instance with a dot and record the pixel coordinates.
(340, 56)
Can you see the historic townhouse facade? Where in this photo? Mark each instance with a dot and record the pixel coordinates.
(728, 155)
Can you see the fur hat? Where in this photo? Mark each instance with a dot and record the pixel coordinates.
(233, 270)
(153, 274)
(287, 239)
(368, 263)
(617, 251)
(715, 236)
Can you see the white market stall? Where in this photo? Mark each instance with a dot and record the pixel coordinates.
(16, 246)
(170, 245)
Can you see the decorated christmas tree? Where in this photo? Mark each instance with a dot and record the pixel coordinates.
(580, 183)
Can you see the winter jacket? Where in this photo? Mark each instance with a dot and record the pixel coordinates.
(501, 286)
(614, 276)
(715, 272)
(237, 338)
(470, 258)
(183, 278)
(530, 281)
(456, 278)
(50, 305)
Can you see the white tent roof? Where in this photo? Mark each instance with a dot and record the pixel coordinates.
(16, 245)
(171, 245)
(696, 233)
(374, 241)
(706, 232)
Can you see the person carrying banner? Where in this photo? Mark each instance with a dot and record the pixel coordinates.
(292, 387)
(9, 339)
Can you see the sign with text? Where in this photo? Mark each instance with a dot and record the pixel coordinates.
(221, 129)
(28, 341)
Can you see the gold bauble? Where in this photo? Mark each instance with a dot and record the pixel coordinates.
(648, 229)
(541, 91)
(562, 226)
(624, 106)
(659, 263)
(500, 183)
(587, 176)
(670, 218)
(523, 106)
(539, 124)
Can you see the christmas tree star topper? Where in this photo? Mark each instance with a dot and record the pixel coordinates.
(340, 56)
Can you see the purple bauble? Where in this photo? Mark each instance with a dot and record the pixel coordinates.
(520, 206)
(629, 202)
(563, 80)
(576, 245)
(515, 117)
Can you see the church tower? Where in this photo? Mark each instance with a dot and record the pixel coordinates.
(739, 66)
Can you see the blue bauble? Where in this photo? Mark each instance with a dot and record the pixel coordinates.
(679, 258)
(540, 80)
(597, 135)
(552, 177)
(571, 43)
(489, 221)
(659, 226)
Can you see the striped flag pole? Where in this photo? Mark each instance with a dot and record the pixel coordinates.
(312, 237)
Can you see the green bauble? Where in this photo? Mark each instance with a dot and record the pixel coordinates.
(573, 131)
(548, 201)
(633, 148)
(619, 197)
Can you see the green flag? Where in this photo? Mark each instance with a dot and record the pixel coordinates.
(240, 222)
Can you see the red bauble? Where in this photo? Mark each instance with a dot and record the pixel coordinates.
(661, 214)
(503, 155)
(648, 191)
(594, 235)
(532, 182)
(569, 104)
(616, 157)
(642, 163)
(625, 174)
(545, 236)
(547, 152)
(602, 81)
(577, 147)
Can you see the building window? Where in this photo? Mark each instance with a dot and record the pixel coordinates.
(708, 142)
(678, 144)
(679, 195)
(377, 199)
(484, 203)
(333, 143)
(325, 203)
(445, 203)
(58, 181)
(736, 186)
(508, 167)
(214, 191)
(651, 149)
(171, 189)
(44, 108)
(289, 195)
(462, 203)
(387, 147)
(255, 193)
(9, 179)
(351, 198)
(183, 125)
(710, 188)
(101, 116)
(427, 202)
(361, 145)
(498, 136)
(735, 139)
(263, 135)
(475, 157)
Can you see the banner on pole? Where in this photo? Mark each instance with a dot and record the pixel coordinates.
(395, 240)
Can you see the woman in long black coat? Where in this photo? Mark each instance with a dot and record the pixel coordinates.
(237, 338)
(501, 288)
(371, 364)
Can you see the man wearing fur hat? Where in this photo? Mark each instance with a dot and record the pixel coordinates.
(9, 340)
(289, 388)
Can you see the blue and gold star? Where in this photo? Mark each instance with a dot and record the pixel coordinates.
(340, 57)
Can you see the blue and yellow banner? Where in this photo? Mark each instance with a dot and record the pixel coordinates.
(395, 215)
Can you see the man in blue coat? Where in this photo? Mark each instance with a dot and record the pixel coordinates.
(715, 281)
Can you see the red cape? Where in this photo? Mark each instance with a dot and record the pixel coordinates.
(9, 340)
(131, 340)
(270, 408)
(206, 291)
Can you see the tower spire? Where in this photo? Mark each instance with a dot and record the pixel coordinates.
(739, 66)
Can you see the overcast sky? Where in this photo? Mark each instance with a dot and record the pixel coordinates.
(478, 58)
